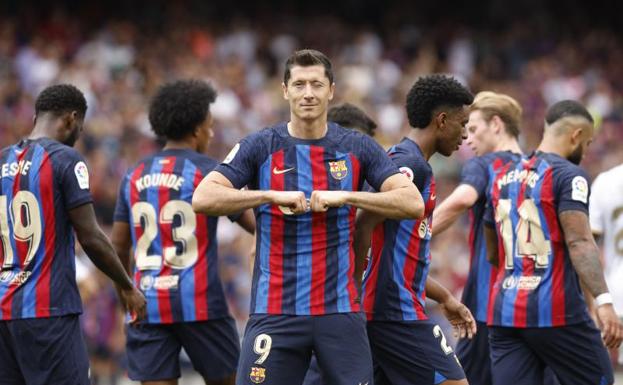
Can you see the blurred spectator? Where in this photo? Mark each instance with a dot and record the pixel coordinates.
(118, 63)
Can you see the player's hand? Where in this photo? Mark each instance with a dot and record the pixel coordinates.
(290, 202)
(134, 303)
(611, 328)
(459, 317)
(323, 200)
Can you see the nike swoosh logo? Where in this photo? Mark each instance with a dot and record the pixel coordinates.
(433, 197)
(276, 171)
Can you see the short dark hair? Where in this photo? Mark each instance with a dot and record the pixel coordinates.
(565, 109)
(179, 107)
(351, 116)
(307, 58)
(431, 92)
(59, 99)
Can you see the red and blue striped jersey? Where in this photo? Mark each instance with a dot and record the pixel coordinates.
(536, 284)
(395, 279)
(305, 263)
(40, 181)
(174, 249)
(481, 276)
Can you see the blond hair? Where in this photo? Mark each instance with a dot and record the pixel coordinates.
(492, 104)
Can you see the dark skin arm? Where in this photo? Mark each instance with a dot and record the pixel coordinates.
(101, 252)
(247, 221)
(122, 242)
(458, 314)
(364, 225)
(491, 240)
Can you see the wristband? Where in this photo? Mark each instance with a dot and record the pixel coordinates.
(603, 299)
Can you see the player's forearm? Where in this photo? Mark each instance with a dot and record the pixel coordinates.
(445, 216)
(400, 203)
(122, 243)
(460, 200)
(361, 245)
(436, 291)
(214, 199)
(491, 240)
(101, 252)
(584, 255)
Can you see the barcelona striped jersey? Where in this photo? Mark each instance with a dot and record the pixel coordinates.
(305, 263)
(174, 249)
(395, 279)
(536, 284)
(40, 181)
(481, 273)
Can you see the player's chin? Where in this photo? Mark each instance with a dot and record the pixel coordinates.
(448, 151)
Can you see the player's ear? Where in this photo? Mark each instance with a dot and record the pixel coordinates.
(284, 87)
(331, 91)
(576, 134)
(497, 124)
(441, 120)
(70, 118)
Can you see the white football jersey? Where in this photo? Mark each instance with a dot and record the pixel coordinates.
(606, 218)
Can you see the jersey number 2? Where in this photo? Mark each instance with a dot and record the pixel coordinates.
(183, 234)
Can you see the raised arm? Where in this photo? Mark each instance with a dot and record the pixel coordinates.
(101, 252)
(460, 200)
(397, 199)
(584, 255)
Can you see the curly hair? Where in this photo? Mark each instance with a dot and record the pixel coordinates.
(351, 116)
(179, 107)
(59, 99)
(431, 92)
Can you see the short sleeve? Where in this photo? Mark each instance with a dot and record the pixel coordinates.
(416, 169)
(74, 179)
(377, 166)
(122, 207)
(241, 164)
(572, 190)
(596, 210)
(474, 173)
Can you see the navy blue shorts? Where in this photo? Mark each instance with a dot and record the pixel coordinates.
(153, 349)
(276, 349)
(43, 351)
(575, 353)
(313, 376)
(474, 356)
(415, 352)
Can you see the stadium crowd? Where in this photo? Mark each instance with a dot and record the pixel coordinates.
(118, 66)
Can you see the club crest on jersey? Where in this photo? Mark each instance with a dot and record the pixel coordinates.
(338, 169)
(257, 375)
